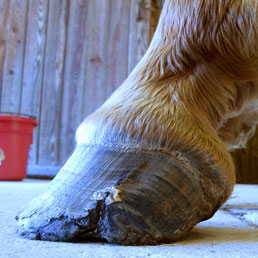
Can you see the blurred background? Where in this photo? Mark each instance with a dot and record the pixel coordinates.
(61, 59)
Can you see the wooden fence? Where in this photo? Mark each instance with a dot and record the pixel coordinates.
(61, 59)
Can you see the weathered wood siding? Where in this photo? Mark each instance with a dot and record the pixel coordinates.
(246, 161)
(61, 59)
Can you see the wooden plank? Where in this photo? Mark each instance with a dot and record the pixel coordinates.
(253, 173)
(96, 61)
(4, 6)
(39, 171)
(73, 75)
(117, 48)
(156, 7)
(97, 41)
(237, 154)
(139, 32)
(48, 149)
(107, 60)
(33, 65)
(246, 162)
(13, 63)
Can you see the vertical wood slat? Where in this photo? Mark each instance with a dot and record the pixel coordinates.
(73, 75)
(96, 56)
(246, 162)
(48, 148)
(254, 159)
(102, 41)
(34, 65)
(106, 60)
(117, 48)
(156, 7)
(14, 52)
(139, 36)
(4, 6)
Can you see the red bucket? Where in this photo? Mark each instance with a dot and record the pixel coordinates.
(15, 140)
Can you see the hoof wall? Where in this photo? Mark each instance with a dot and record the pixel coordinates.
(125, 197)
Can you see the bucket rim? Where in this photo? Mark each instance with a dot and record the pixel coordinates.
(23, 115)
(18, 117)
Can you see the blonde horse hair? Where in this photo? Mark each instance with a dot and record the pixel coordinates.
(195, 88)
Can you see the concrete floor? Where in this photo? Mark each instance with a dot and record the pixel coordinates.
(232, 232)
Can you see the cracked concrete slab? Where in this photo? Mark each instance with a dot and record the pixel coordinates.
(249, 215)
(244, 195)
(225, 235)
(244, 204)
